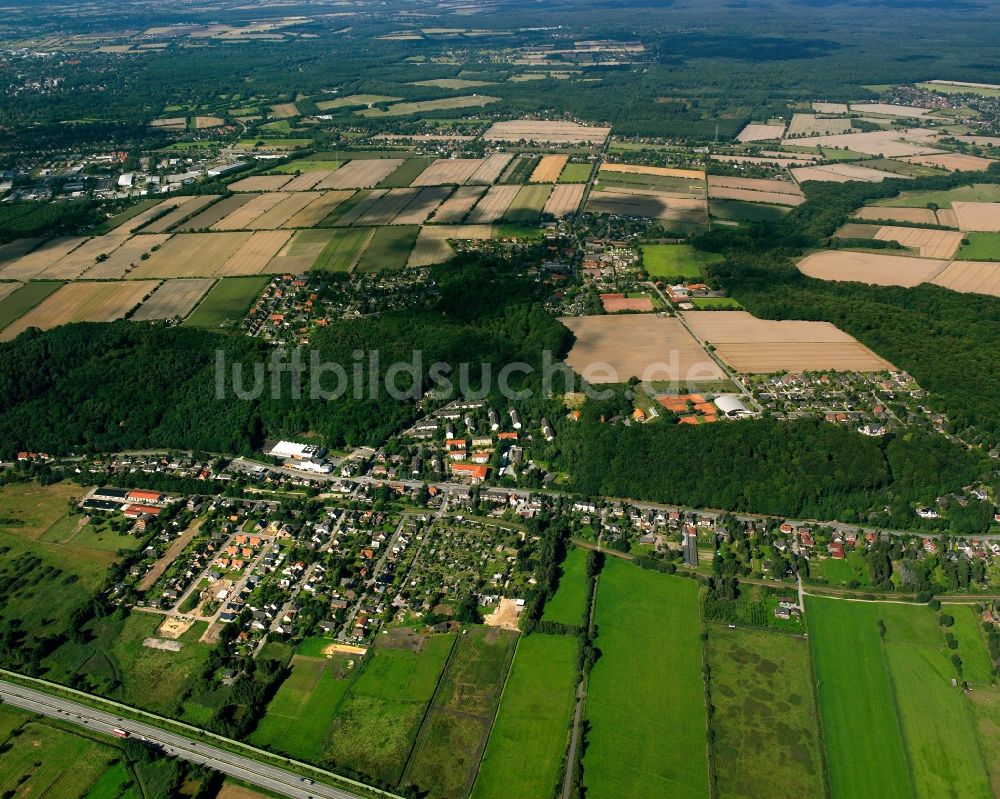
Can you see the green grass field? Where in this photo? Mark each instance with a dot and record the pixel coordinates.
(856, 701)
(569, 604)
(852, 572)
(523, 232)
(342, 250)
(19, 302)
(405, 174)
(576, 173)
(529, 738)
(227, 302)
(299, 716)
(377, 721)
(767, 740)
(522, 169)
(449, 745)
(984, 704)
(635, 180)
(646, 702)
(528, 204)
(981, 247)
(715, 304)
(306, 165)
(947, 89)
(741, 211)
(976, 665)
(389, 248)
(676, 260)
(978, 192)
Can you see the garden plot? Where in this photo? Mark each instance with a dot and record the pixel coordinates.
(422, 205)
(970, 277)
(181, 212)
(612, 349)
(173, 299)
(565, 199)
(494, 205)
(548, 169)
(887, 143)
(255, 254)
(953, 162)
(872, 268)
(191, 255)
(929, 243)
(278, 216)
(126, 257)
(82, 302)
(243, 217)
(842, 173)
(260, 183)
(361, 174)
(760, 132)
(207, 218)
(651, 205)
(432, 245)
(813, 125)
(533, 130)
(319, 209)
(979, 217)
(491, 169)
(454, 209)
(762, 346)
(445, 171)
(41, 261)
(876, 213)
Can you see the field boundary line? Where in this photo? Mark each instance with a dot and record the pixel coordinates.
(814, 687)
(899, 719)
(361, 251)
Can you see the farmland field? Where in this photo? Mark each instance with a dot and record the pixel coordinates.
(548, 169)
(319, 210)
(342, 250)
(564, 200)
(361, 174)
(191, 255)
(243, 217)
(527, 204)
(646, 738)
(548, 132)
(576, 173)
(676, 260)
(928, 243)
(976, 277)
(193, 205)
(23, 299)
(984, 703)
(715, 304)
(449, 171)
(423, 106)
(139, 209)
(213, 213)
(432, 245)
(255, 254)
(976, 664)
(260, 183)
(405, 174)
(746, 212)
(493, 205)
(389, 248)
(651, 205)
(767, 739)
(978, 193)
(174, 298)
(453, 210)
(355, 101)
(672, 184)
(872, 268)
(977, 216)
(529, 737)
(309, 166)
(901, 214)
(126, 257)
(227, 303)
(568, 605)
(40, 264)
(981, 247)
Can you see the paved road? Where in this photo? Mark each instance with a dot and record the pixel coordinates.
(264, 776)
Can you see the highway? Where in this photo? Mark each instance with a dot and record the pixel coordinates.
(243, 768)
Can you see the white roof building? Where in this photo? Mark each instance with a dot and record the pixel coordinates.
(731, 405)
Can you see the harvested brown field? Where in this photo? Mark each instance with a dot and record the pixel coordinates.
(659, 171)
(830, 108)
(243, 217)
(754, 184)
(260, 183)
(886, 109)
(565, 199)
(919, 216)
(971, 277)
(432, 245)
(422, 206)
(612, 349)
(872, 268)
(954, 162)
(977, 217)
(650, 205)
(445, 171)
(760, 132)
(454, 209)
(82, 302)
(134, 223)
(947, 217)
(803, 125)
(189, 208)
(361, 174)
(763, 160)
(545, 131)
(493, 205)
(491, 169)
(6, 289)
(301, 251)
(284, 111)
(842, 173)
(84, 257)
(174, 298)
(888, 143)
(319, 209)
(307, 180)
(41, 260)
(13, 250)
(549, 169)
(747, 195)
(207, 218)
(762, 346)
(929, 243)
(360, 208)
(385, 209)
(126, 257)
(278, 216)
(254, 256)
(617, 303)
(203, 123)
(191, 255)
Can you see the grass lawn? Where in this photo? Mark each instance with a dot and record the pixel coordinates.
(849, 572)
(766, 723)
(306, 165)
(528, 203)
(978, 192)
(300, 713)
(528, 741)
(976, 665)
(227, 302)
(568, 605)
(646, 702)
(405, 174)
(981, 247)
(984, 704)
(342, 250)
(377, 722)
(19, 302)
(715, 304)
(856, 701)
(451, 740)
(676, 260)
(576, 173)
(389, 248)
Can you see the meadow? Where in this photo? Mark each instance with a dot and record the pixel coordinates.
(342, 251)
(227, 303)
(716, 304)
(389, 248)
(976, 665)
(646, 700)
(530, 734)
(576, 173)
(981, 247)
(675, 260)
(568, 604)
(19, 302)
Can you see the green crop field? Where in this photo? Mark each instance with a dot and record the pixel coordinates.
(981, 247)
(984, 704)
(389, 248)
(522, 168)
(767, 740)
(376, 724)
(227, 302)
(646, 702)
(528, 203)
(307, 165)
(299, 716)
(405, 174)
(856, 701)
(715, 304)
(676, 260)
(741, 211)
(529, 738)
(20, 301)
(635, 180)
(976, 665)
(451, 739)
(978, 193)
(576, 173)
(273, 144)
(342, 250)
(568, 605)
